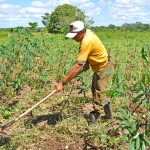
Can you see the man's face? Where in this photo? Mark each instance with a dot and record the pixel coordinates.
(79, 37)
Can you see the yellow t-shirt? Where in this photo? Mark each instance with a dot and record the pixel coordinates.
(92, 50)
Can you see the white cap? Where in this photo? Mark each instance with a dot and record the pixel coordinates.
(74, 28)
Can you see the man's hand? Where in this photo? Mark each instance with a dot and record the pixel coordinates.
(74, 72)
(59, 87)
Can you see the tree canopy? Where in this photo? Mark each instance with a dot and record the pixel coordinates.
(33, 25)
(59, 20)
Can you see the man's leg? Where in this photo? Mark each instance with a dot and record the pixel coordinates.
(94, 115)
(104, 83)
(99, 84)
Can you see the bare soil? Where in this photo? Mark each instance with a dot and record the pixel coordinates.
(53, 144)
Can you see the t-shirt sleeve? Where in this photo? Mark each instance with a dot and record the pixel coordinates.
(84, 51)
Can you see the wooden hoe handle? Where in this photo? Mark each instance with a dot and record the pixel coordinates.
(25, 113)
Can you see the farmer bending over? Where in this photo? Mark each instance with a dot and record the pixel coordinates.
(93, 52)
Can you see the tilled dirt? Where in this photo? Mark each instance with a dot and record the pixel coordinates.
(53, 144)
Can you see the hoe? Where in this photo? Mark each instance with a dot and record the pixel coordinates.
(2, 128)
(25, 113)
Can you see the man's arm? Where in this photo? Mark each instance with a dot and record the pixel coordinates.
(74, 72)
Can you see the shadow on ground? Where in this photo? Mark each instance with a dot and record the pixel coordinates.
(52, 119)
(4, 140)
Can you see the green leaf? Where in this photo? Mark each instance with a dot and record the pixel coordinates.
(143, 146)
(144, 52)
(137, 145)
(125, 137)
(145, 139)
(124, 114)
(118, 118)
(128, 123)
(132, 144)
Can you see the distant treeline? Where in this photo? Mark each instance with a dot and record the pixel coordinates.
(38, 29)
(138, 26)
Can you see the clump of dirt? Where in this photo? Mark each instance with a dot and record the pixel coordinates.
(26, 91)
(87, 108)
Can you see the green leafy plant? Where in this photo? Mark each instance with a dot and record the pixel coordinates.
(6, 112)
(145, 53)
(84, 85)
(135, 135)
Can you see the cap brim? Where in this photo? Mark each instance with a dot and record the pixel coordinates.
(71, 35)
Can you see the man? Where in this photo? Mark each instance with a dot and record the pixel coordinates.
(93, 52)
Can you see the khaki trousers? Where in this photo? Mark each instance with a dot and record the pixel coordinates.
(100, 82)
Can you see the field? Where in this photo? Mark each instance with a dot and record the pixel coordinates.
(31, 65)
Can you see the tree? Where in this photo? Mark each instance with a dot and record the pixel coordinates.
(46, 19)
(33, 25)
(59, 20)
(112, 26)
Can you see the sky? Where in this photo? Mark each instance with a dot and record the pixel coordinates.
(15, 13)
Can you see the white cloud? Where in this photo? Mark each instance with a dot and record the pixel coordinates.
(8, 7)
(90, 9)
(81, 1)
(8, 10)
(15, 15)
(38, 4)
(2, 0)
(33, 10)
(103, 3)
(43, 3)
(20, 16)
(133, 2)
(128, 10)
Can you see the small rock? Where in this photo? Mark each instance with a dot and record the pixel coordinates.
(66, 147)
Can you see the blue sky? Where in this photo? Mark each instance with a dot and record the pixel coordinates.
(104, 12)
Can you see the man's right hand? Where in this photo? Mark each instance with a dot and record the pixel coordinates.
(74, 72)
(59, 87)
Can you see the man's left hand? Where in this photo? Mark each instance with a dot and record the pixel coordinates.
(86, 66)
